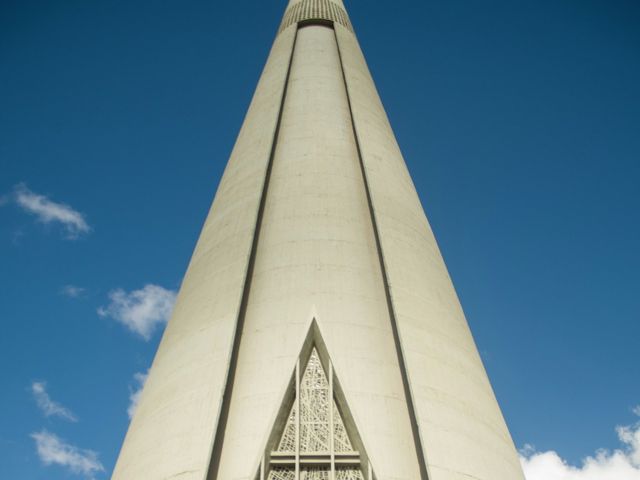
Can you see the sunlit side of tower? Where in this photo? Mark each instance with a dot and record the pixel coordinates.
(317, 334)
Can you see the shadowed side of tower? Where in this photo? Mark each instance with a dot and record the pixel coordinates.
(317, 333)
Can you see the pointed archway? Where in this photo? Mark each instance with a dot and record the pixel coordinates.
(314, 436)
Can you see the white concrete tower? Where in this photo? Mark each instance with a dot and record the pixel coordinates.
(317, 334)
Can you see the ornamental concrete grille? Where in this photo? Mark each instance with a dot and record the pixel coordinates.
(316, 226)
(314, 445)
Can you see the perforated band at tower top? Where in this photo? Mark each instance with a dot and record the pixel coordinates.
(315, 10)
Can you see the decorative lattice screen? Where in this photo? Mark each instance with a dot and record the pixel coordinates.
(314, 444)
(315, 473)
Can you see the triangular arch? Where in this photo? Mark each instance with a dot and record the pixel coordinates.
(314, 436)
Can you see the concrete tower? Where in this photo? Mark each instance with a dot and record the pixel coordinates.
(317, 334)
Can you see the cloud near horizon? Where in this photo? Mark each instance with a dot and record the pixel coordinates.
(52, 450)
(141, 311)
(48, 212)
(47, 406)
(134, 395)
(619, 464)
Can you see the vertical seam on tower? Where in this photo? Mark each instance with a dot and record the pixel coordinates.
(394, 327)
(218, 440)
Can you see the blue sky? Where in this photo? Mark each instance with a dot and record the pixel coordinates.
(519, 121)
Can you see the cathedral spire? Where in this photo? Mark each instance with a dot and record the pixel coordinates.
(316, 227)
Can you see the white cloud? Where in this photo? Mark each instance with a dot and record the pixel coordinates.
(52, 450)
(47, 406)
(141, 311)
(72, 291)
(134, 395)
(619, 464)
(47, 211)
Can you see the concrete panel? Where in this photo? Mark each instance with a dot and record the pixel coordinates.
(317, 258)
(462, 430)
(172, 431)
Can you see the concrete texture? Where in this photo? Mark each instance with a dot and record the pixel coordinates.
(463, 433)
(317, 258)
(316, 217)
(171, 434)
